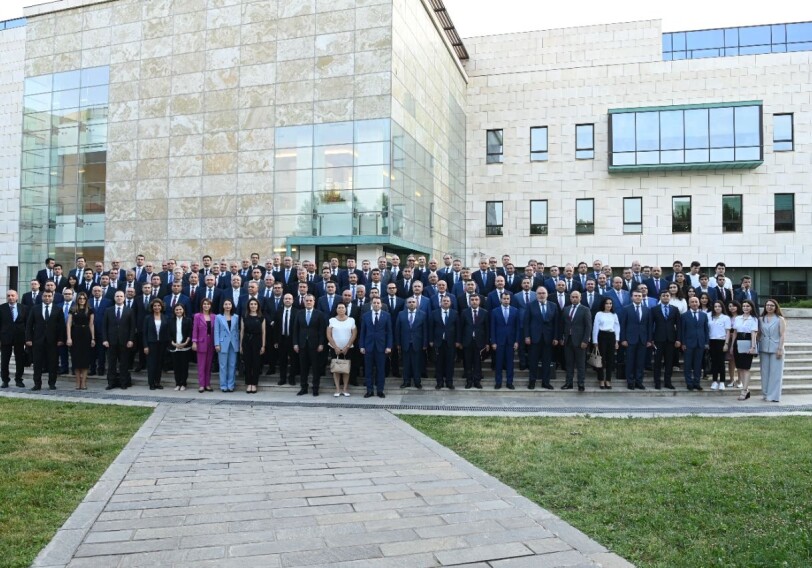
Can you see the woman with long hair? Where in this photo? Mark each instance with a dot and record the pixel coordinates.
(745, 345)
(719, 334)
(606, 335)
(252, 344)
(81, 338)
(772, 330)
(203, 344)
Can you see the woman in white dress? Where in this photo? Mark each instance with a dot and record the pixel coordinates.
(745, 344)
(772, 329)
(341, 334)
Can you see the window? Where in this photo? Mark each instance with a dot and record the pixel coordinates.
(681, 214)
(632, 214)
(538, 144)
(495, 148)
(584, 216)
(584, 141)
(784, 211)
(538, 217)
(694, 134)
(783, 133)
(732, 214)
(493, 218)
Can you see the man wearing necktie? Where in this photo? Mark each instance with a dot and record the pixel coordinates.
(13, 317)
(375, 343)
(666, 335)
(99, 305)
(309, 337)
(283, 341)
(411, 340)
(541, 330)
(118, 336)
(636, 337)
(45, 332)
(443, 339)
(695, 340)
(474, 336)
(577, 332)
(64, 351)
(506, 329)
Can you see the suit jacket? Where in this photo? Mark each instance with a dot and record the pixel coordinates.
(377, 337)
(542, 327)
(227, 338)
(485, 284)
(439, 332)
(740, 296)
(98, 314)
(185, 329)
(123, 285)
(435, 302)
(216, 298)
(462, 302)
(494, 299)
(323, 305)
(12, 331)
(415, 336)
(183, 300)
(149, 332)
(42, 278)
(518, 300)
(723, 294)
(223, 280)
(279, 276)
(505, 332)
(400, 304)
(193, 302)
(665, 329)
(58, 299)
(515, 284)
(635, 329)
(579, 326)
(575, 284)
(424, 305)
(617, 303)
(165, 277)
(313, 334)
(228, 294)
(471, 333)
(118, 332)
(405, 287)
(694, 331)
(40, 332)
(27, 299)
(652, 285)
(142, 277)
(63, 281)
(596, 302)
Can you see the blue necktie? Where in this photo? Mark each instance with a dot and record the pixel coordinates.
(307, 317)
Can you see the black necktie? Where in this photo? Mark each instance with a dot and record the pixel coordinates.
(47, 311)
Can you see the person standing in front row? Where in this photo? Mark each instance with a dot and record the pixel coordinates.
(252, 342)
(45, 333)
(13, 317)
(341, 334)
(506, 329)
(155, 334)
(694, 334)
(541, 332)
(411, 341)
(772, 330)
(443, 339)
(227, 343)
(606, 336)
(375, 344)
(635, 336)
(474, 332)
(180, 342)
(118, 338)
(745, 343)
(577, 331)
(309, 337)
(203, 343)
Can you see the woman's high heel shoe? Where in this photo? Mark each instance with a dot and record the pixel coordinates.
(744, 395)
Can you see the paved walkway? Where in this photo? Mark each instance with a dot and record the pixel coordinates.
(221, 486)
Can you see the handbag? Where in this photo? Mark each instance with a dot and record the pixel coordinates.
(341, 366)
(594, 359)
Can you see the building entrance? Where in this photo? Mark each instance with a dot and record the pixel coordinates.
(341, 252)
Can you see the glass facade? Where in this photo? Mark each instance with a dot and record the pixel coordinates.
(63, 175)
(686, 135)
(749, 40)
(681, 214)
(538, 144)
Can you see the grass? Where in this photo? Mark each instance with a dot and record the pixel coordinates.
(51, 454)
(674, 492)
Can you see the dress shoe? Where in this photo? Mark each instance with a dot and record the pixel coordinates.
(468, 385)
(581, 389)
(19, 384)
(4, 385)
(159, 387)
(657, 387)
(291, 382)
(51, 387)
(478, 386)
(670, 387)
(282, 382)
(381, 395)
(368, 395)
(450, 387)
(640, 387)
(301, 391)
(630, 387)
(497, 387)
(109, 387)
(36, 388)
(566, 387)
(531, 386)
(511, 387)
(698, 388)
(152, 388)
(438, 387)
(315, 392)
(418, 386)
(547, 386)
(404, 385)
(690, 388)
(137, 370)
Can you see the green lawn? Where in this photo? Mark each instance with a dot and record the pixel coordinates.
(51, 454)
(690, 492)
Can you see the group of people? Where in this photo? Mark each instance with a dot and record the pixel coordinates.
(390, 320)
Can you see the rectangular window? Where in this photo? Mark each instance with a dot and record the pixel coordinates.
(584, 216)
(495, 149)
(783, 133)
(784, 212)
(650, 139)
(632, 214)
(538, 144)
(538, 217)
(493, 218)
(584, 141)
(732, 214)
(681, 214)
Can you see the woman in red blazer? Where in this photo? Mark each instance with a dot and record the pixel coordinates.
(203, 344)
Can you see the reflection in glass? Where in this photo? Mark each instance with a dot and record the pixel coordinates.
(785, 212)
(672, 134)
(294, 136)
(696, 128)
(293, 159)
(66, 80)
(585, 141)
(584, 216)
(538, 217)
(746, 40)
(538, 143)
(632, 214)
(623, 132)
(681, 214)
(494, 147)
(782, 133)
(334, 156)
(648, 131)
(493, 218)
(732, 214)
(372, 130)
(333, 133)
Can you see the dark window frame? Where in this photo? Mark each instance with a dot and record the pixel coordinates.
(733, 226)
(784, 226)
(540, 155)
(494, 230)
(627, 225)
(541, 229)
(591, 149)
(681, 226)
(495, 157)
(587, 228)
(781, 141)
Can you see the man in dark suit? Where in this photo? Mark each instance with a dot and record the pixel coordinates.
(474, 336)
(464, 299)
(411, 340)
(521, 300)
(329, 301)
(442, 292)
(140, 270)
(666, 330)
(590, 297)
(746, 292)
(393, 304)
(192, 290)
(60, 280)
(12, 338)
(635, 336)
(484, 278)
(178, 297)
(620, 296)
(286, 358)
(495, 297)
(99, 306)
(79, 271)
(51, 287)
(309, 338)
(45, 333)
(287, 275)
(270, 305)
(168, 275)
(541, 330)
(46, 273)
(375, 344)
(212, 292)
(443, 333)
(31, 298)
(694, 334)
(118, 336)
(506, 329)
(722, 294)
(656, 284)
(577, 333)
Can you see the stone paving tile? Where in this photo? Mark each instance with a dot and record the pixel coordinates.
(281, 488)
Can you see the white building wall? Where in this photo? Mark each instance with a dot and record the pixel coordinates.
(516, 83)
(12, 60)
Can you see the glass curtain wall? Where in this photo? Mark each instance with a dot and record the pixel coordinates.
(63, 168)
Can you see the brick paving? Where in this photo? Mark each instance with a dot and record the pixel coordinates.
(258, 486)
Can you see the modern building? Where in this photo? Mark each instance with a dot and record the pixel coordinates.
(365, 127)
